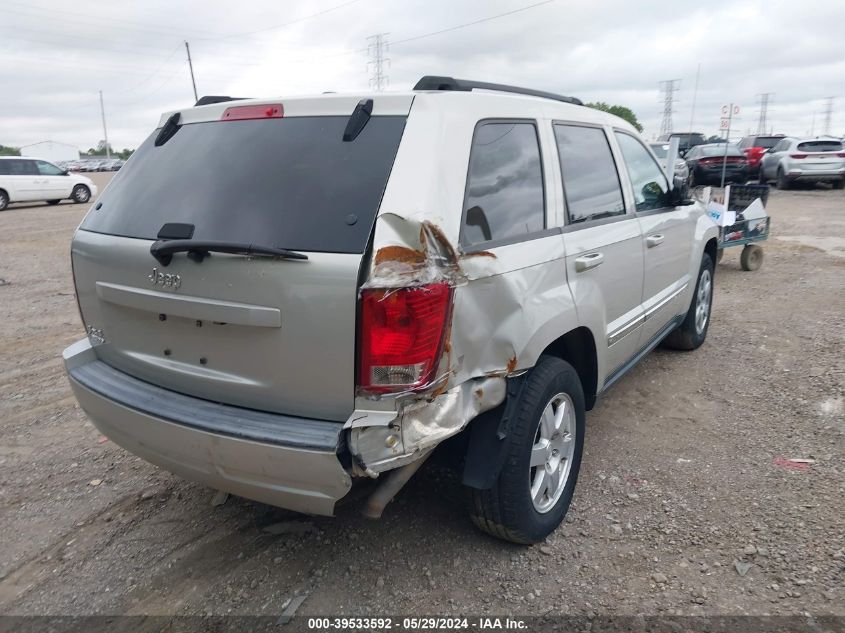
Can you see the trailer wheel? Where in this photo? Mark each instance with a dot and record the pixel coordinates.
(751, 258)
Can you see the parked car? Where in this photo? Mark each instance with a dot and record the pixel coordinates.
(686, 140)
(32, 179)
(804, 160)
(351, 290)
(754, 146)
(705, 164)
(661, 150)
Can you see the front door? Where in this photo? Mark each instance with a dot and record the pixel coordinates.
(667, 232)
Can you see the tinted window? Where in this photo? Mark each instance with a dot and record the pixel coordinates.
(820, 146)
(291, 183)
(48, 169)
(766, 141)
(719, 150)
(504, 195)
(15, 167)
(590, 181)
(782, 146)
(651, 189)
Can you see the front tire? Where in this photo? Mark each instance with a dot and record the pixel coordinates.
(81, 194)
(535, 486)
(693, 329)
(4, 200)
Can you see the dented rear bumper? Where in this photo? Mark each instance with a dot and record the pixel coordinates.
(276, 459)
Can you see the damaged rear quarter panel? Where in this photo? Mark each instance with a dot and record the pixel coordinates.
(510, 302)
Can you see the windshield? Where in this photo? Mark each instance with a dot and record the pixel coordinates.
(660, 150)
(288, 182)
(820, 146)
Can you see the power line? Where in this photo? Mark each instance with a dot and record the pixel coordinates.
(763, 121)
(668, 88)
(828, 114)
(377, 62)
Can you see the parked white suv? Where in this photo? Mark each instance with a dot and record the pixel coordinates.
(25, 179)
(284, 297)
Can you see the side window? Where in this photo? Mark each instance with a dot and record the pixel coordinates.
(5, 167)
(505, 196)
(18, 167)
(590, 182)
(651, 189)
(48, 169)
(782, 146)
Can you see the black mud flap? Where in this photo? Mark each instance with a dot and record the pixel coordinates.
(488, 440)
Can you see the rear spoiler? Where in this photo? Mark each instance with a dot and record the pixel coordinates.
(209, 99)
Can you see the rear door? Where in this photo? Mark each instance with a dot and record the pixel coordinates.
(23, 179)
(604, 258)
(258, 332)
(667, 233)
(771, 159)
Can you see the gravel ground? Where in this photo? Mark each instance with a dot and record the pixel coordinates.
(684, 506)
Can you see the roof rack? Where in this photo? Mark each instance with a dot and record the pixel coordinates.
(433, 82)
(209, 99)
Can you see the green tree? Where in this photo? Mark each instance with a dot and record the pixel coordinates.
(621, 111)
(9, 151)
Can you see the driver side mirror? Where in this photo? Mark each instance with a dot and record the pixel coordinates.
(679, 195)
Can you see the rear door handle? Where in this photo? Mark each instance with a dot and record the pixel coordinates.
(588, 261)
(654, 240)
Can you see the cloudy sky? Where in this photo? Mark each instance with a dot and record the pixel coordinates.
(56, 55)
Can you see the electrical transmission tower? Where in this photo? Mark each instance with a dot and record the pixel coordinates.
(377, 46)
(763, 121)
(668, 89)
(828, 114)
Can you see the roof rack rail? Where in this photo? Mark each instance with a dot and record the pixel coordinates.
(209, 99)
(434, 82)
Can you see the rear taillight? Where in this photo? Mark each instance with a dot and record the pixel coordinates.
(798, 156)
(841, 154)
(400, 337)
(266, 111)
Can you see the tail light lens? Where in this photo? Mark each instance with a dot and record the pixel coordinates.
(798, 156)
(841, 154)
(401, 335)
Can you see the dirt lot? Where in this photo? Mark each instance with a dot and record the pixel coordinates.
(683, 485)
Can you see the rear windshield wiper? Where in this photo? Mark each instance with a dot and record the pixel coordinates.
(198, 250)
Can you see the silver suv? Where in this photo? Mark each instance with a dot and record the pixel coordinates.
(804, 160)
(284, 298)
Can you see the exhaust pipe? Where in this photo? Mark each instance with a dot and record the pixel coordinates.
(393, 482)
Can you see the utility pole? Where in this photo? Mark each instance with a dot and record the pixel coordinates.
(694, 98)
(105, 133)
(668, 88)
(828, 114)
(191, 66)
(763, 122)
(377, 46)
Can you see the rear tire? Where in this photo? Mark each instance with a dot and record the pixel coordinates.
(528, 502)
(4, 200)
(693, 330)
(839, 184)
(751, 258)
(81, 194)
(783, 181)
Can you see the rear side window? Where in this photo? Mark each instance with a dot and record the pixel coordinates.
(766, 141)
(651, 189)
(820, 146)
(590, 182)
(15, 167)
(505, 197)
(289, 182)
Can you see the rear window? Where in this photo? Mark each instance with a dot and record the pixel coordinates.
(290, 182)
(16, 167)
(719, 150)
(820, 146)
(767, 141)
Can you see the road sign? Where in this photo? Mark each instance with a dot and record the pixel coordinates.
(725, 124)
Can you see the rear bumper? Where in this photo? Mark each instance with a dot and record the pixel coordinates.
(276, 459)
(816, 174)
